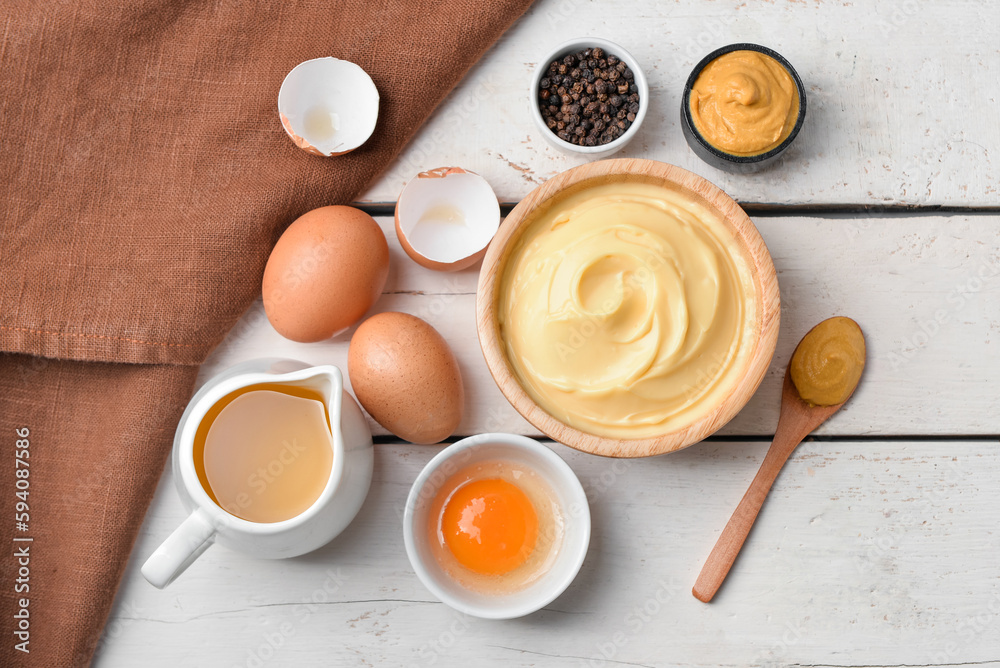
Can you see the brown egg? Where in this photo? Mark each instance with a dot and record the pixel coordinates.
(325, 272)
(406, 377)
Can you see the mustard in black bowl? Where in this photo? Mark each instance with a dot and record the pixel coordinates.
(742, 106)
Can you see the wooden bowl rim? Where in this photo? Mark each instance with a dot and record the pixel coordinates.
(635, 170)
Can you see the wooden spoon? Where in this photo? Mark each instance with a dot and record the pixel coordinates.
(796, 421)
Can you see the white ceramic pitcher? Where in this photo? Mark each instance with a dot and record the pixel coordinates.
(340, 501)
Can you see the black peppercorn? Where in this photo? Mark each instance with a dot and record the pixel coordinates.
(588, 98)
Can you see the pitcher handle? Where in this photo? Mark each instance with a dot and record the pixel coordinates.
(179, 550)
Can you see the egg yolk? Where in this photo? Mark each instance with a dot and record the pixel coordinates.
(490, 526)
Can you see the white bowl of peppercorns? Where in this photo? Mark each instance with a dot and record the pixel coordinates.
(589, 96)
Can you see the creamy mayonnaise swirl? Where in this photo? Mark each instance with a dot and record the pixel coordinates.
(626, 310)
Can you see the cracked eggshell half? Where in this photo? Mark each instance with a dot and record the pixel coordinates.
(328, 106)
(446, 217)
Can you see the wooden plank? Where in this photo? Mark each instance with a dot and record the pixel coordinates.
(923, 288)
(865, 554)
(902, 98)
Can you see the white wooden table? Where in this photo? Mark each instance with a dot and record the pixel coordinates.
(879, 544)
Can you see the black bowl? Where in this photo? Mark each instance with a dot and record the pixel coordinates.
(727, 161)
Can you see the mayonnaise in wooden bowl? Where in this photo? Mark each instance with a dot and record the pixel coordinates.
(628, 308)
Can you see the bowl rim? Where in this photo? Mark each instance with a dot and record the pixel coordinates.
(732, 157)
(636, 170)
(621, 53)
(568, 480)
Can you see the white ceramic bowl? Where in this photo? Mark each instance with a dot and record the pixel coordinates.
(565, 486)
(574, 46)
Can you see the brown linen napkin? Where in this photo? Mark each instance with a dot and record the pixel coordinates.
(144, 177)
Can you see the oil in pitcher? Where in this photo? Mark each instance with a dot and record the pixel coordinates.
(264, 453)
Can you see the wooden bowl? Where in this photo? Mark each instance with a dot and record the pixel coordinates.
(643, 171)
